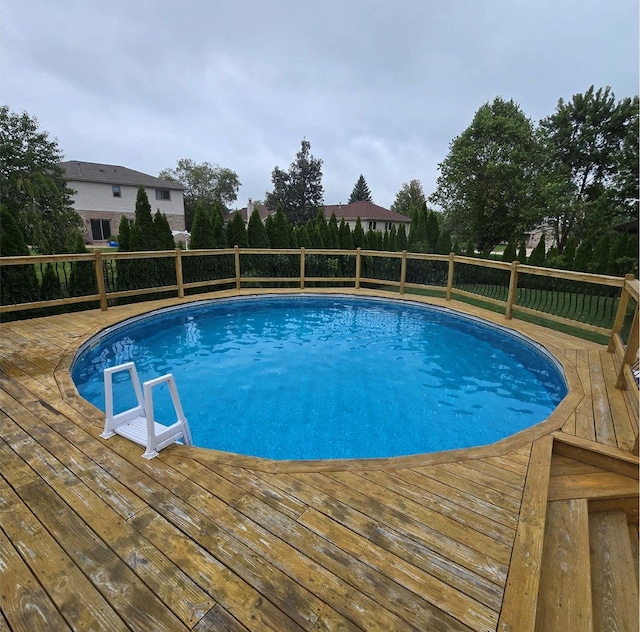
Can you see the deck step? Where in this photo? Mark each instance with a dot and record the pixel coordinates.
(564, 595)
(614, 583)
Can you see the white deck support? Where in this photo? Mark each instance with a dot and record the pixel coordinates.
(138, 423)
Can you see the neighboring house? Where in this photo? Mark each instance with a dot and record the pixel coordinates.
(104, 193)
(533, 237)
(372, 216)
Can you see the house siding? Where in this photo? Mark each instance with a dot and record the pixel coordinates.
(94, 200)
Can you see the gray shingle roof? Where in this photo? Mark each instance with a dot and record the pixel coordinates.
(365, 211)
(113, 174)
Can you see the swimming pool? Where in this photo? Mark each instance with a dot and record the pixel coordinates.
(318, 377)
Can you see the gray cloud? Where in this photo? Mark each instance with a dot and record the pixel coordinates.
(379, 88)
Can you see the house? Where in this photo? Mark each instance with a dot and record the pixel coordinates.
(372, 216)
(104, 193)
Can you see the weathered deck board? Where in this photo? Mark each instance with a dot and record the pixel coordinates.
(203, 540)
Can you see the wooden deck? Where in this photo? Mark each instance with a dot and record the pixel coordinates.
(93, 537)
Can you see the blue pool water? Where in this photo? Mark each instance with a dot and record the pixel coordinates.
(310, 377)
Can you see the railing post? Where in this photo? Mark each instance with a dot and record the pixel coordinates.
(179, 277)
(620, 313)
(236, 253)
(450, 276)
(513, 290)
(358, 264)
(403, 271)
(302, 268)
(630, 352)
(100, 281)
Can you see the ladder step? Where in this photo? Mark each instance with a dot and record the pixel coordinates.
(136, 430)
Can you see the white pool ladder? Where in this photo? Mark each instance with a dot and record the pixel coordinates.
(138, 423)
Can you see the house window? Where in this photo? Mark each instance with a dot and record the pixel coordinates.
(100, 229)
(116, 190)
(163, 194)
(372, 225)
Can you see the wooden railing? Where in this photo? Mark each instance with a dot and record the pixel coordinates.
(591, 303)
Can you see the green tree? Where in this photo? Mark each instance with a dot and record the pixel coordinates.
(18, 284)
(142, 233)
(393, 239)
(202, 235)
(432, 231)
(334, 231)
(345, 240)
(162, 235)
(302, 237)
(358, 236)
(402, 238)
(509, 254)
(522, 253)
(298, 192)
(418, 239)
(360, 191)
(256, 232)
(538, 254)
(409, 199)
(32, 185)
(443, 245)
(205, 183)
(591, 150)
(237, 232)
(278, 230)
(124, 235)
(50, 288)
(82, 278)
(323, 228)
(487, 183)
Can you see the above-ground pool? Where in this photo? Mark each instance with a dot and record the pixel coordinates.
(328, 377)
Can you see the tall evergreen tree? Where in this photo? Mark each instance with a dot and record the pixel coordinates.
(393, 239)
(344, 235)
(256, 231)
(402, 238)
(432, 230)
(298, 192)
(360, 191)
(334, 236)
(202, 235)
(302, 237)
(278, 230)
(358, 236)
(538, 254)
(162, 234)
(443, 245)
(237, 232)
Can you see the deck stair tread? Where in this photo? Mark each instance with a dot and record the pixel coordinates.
(564, 597)
(613, 578)
(589, 563)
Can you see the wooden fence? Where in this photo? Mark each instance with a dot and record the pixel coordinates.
(590, 303)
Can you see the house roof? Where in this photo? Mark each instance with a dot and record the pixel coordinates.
(364, 210)
(79, 171)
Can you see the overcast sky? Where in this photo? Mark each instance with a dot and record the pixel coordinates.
(378, 88)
